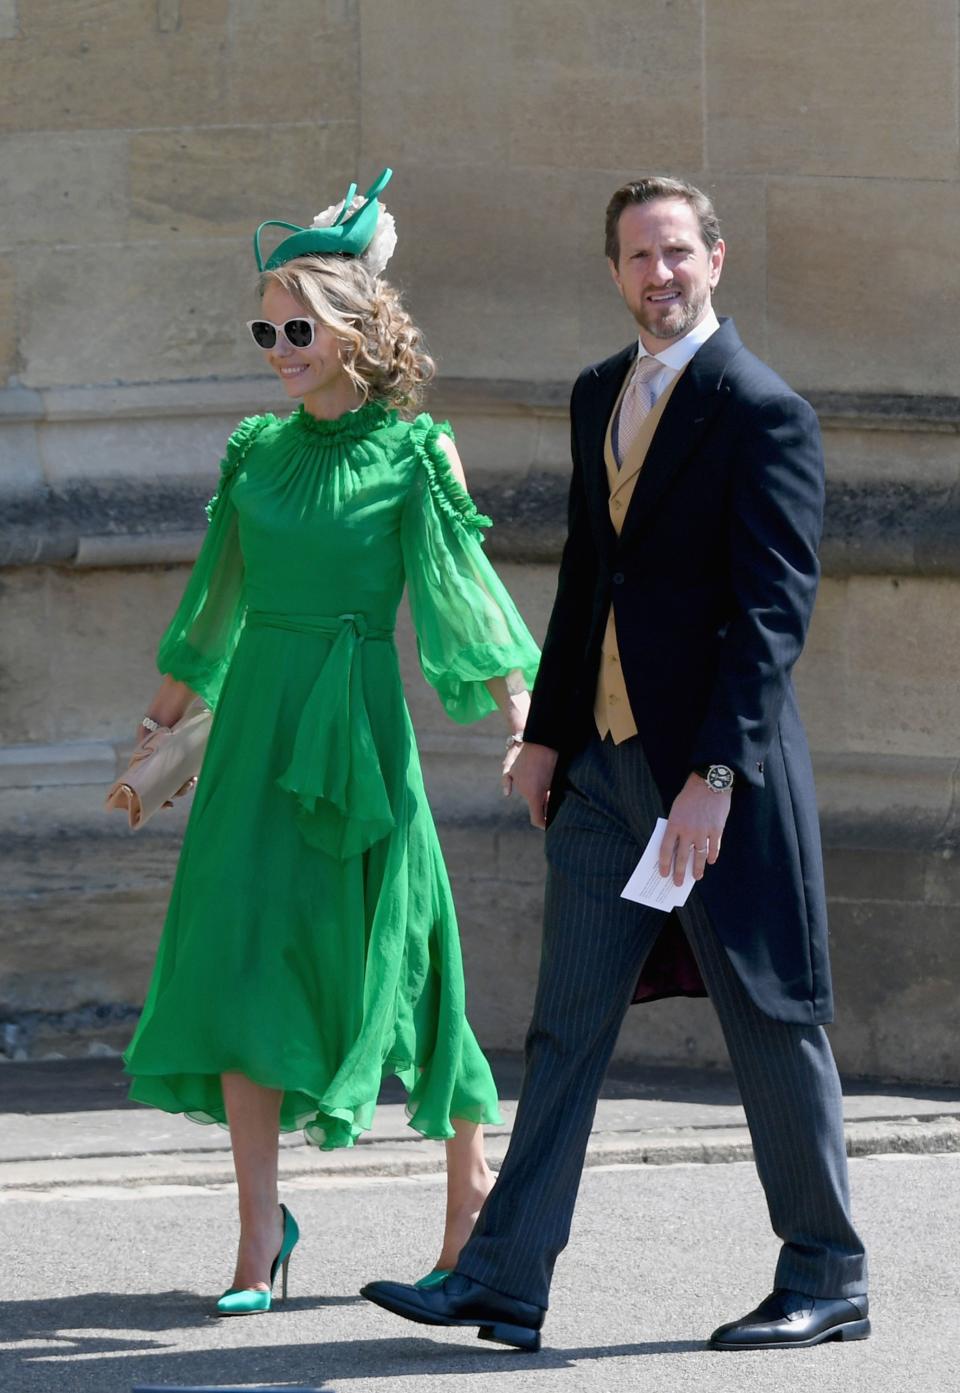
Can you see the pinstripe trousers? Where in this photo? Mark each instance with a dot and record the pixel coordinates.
(594, 945)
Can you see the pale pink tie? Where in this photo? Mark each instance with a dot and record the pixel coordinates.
(635, 406)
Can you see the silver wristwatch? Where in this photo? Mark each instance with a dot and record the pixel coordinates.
(718, 777)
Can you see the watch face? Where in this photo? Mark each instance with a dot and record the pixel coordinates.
(720, 777)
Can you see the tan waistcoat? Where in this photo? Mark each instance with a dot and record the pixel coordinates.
(611, 707)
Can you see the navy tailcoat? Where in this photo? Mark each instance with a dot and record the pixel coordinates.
(712, 581)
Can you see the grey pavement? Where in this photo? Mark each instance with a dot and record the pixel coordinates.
(68, 1123)
(109, 1288)
(117, 1230)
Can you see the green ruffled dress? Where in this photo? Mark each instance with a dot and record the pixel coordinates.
(311, 940)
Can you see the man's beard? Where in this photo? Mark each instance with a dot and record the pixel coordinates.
(674, 320)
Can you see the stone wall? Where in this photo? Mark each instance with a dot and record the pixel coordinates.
(140, 143)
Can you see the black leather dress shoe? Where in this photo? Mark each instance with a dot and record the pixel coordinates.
(461, 1301)
(790, 1320)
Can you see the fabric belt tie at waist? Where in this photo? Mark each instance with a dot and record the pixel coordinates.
(335, 772)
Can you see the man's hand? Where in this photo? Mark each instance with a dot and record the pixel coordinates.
(532, 773)
(696, 824)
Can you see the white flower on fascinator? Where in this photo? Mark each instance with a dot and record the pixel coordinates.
(384, 241)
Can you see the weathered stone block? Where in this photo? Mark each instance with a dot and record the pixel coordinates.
(9, 19)
(500, 925)
(304, 55)
(78, 651)
(608, 82)
(163, 311)
(837, 322)
(20, 466)
(80, 762)
(436, 87)
(896, 966)
(742, 292)
(820, 673)
(941, 879)
(225, 180)
(843, 89)
(876, 675)
(681, 1030)
(110, 63)
(930, 458)
(604, 323)
(460, 270)
(68, 187)
(61, 949)
(144, 450)
(892, 804)
(855, 873)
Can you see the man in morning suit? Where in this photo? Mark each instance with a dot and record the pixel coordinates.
(685, 590)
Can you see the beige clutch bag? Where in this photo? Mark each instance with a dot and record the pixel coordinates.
(163, 767)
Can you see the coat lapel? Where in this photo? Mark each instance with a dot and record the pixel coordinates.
(698, 395)
(608, 379)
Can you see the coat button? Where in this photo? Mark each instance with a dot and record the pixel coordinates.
(617, 577)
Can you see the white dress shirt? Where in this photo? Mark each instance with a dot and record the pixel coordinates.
(677, 356)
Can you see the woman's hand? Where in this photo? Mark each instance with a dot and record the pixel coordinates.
(513, 700)
(168, 705)
(510, 759)
(532, 777)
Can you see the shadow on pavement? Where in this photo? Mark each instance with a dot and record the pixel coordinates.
(161, 1312)
(320, 1365)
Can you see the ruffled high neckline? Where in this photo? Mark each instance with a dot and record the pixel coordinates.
(352, 425)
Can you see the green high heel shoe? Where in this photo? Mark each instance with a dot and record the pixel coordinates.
(436, 1278)
(250, 1302)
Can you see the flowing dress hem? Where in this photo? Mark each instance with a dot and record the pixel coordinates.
(325, 1124)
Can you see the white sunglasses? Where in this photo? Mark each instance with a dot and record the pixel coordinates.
(299, 332)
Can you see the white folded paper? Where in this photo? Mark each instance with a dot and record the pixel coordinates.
(647, 886)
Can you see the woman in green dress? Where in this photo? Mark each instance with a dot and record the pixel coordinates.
(311, 945)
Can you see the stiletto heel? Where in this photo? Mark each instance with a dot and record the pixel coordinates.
(250, 1302)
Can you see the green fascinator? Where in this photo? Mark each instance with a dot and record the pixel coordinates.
(349, 234)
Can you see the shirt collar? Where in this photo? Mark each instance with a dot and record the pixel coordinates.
(678, 355)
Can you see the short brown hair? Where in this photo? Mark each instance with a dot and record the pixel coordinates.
(659, 186)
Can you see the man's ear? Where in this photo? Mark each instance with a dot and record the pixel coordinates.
(615, 274)
(717, 253)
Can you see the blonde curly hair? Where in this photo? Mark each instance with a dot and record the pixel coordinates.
(381, 349)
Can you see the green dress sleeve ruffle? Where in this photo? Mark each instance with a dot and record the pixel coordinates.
(468, 628)
(200, 639)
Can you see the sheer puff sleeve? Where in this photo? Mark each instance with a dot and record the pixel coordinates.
(468, 628)
(199, 642)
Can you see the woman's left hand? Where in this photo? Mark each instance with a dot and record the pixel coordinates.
(506, 778)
